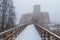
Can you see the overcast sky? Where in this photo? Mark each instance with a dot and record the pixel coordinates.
(26, 6)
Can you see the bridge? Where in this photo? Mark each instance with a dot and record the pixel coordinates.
(13, 33)
(38, 19)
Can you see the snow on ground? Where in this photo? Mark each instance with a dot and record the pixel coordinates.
(54, 28)
(30, 33)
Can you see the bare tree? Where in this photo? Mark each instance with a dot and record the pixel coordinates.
(11, 19)
(3, 13)
(8, 15)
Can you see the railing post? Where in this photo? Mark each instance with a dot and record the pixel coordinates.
(18, 30)
(44, 35)
(12, 35)
(48, 36)
(55, 38)
(5, 36)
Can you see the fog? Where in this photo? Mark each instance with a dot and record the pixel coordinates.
(26, 6)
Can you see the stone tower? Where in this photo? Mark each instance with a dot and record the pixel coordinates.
(38, 16)
(36, 9)
(36, 13)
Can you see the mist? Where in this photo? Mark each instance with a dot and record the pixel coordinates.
(50, 6)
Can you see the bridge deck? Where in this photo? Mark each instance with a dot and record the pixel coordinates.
(29, 33)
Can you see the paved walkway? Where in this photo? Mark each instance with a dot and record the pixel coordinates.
(30, 33)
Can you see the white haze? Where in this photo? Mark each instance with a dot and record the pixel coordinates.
(26, 6)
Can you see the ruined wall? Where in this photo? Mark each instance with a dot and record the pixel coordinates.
(26, 19)
(43, 18)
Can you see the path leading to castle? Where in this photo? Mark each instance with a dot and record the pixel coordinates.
(29, 33)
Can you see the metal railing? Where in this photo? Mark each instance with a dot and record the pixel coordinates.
(12, 33)
(46, 34)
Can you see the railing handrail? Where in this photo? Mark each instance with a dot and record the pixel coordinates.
(49, 31)
(10, 29)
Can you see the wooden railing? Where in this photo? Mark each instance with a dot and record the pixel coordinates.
(46, 34)
(11, 34)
